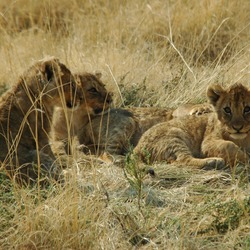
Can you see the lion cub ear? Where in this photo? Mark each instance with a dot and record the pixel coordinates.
(214, 93)
(98, 75)
(50, 67)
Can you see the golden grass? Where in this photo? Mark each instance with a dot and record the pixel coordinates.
(151, 53)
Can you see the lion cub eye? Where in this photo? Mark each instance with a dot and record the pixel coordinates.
(246, 110)
(93, 90)
(227, 110)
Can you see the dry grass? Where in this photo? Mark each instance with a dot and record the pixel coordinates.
(155, 53)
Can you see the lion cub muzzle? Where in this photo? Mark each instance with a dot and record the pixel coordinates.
(103, 108)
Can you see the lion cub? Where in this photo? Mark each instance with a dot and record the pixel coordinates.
(25, 119)
(67, 125)
(118, 130)
(213, 140)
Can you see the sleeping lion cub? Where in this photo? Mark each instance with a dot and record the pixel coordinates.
(213, 140)
(118, 130)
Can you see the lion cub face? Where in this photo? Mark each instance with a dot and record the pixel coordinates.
(233, 109)
(53, 82)
(96, 98)
(71, 93)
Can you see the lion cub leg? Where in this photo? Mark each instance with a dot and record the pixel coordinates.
(206, 163)
(193, 109)
(228, 150)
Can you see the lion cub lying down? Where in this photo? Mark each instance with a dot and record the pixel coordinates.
(113, 131)
(118, 130)
(212, 140)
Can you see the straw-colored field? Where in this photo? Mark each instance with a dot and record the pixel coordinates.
(151, 53)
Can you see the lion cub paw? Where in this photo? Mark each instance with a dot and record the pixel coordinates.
(214, 163)
(201, 109)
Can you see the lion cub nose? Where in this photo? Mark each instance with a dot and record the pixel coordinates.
(238, 128)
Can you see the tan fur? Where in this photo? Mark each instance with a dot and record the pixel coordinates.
(193, 109)
(68, 125)
(25, 118)
(113, 132)
(211, 140)
(119, 130)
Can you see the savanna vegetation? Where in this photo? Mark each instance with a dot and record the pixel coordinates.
(151, 53)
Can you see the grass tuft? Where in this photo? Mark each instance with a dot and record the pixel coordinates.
(150, 53)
